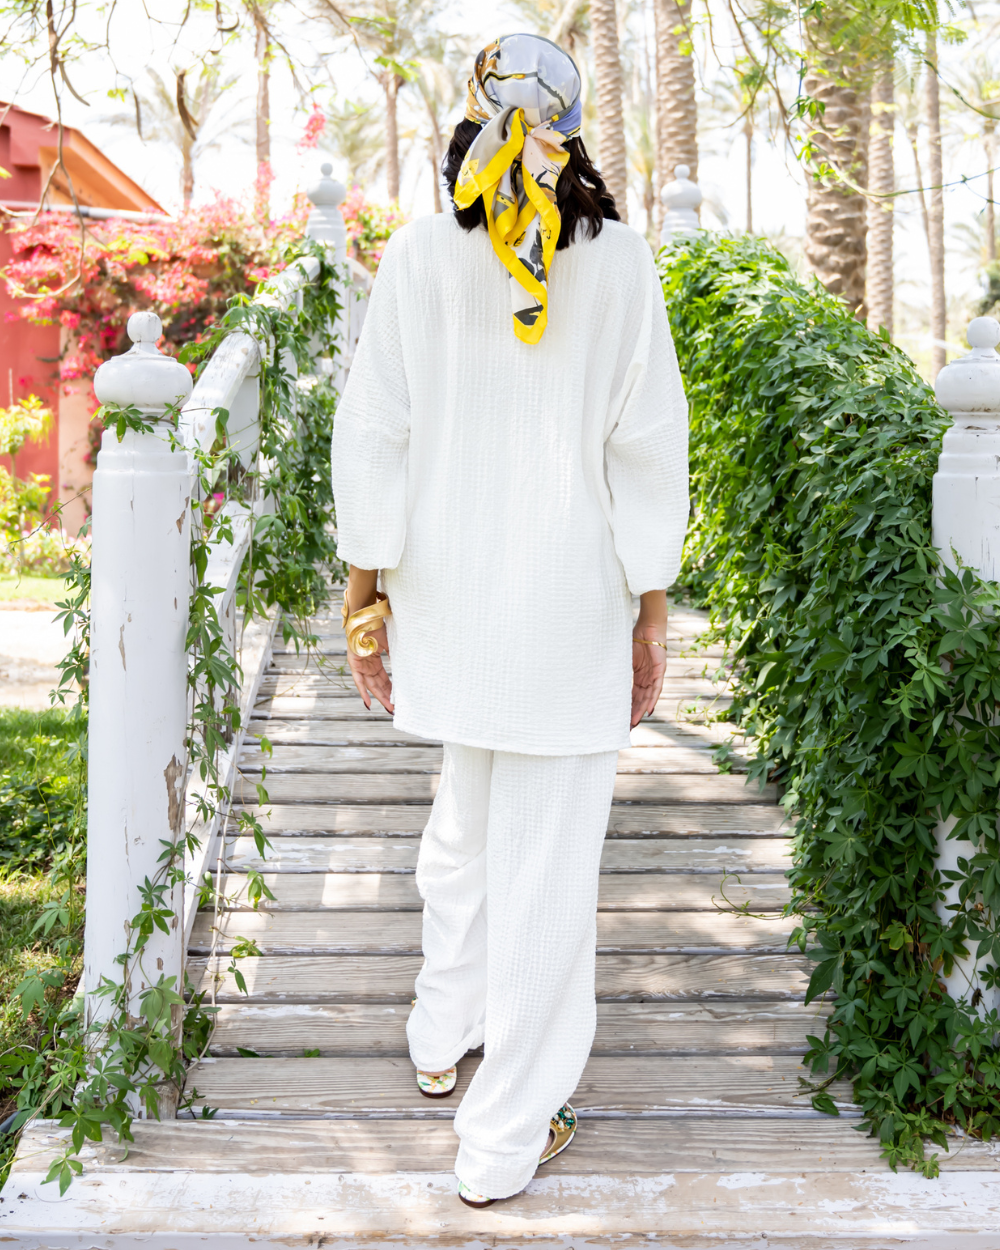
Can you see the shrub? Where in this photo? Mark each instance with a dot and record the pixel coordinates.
(869, 676)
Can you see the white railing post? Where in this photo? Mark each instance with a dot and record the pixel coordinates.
(138, 667)
(326, 226)
(681, 200)
(966, 524)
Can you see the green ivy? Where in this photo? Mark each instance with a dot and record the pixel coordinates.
(868, 675)
(97, 1075)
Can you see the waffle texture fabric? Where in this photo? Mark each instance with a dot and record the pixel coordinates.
(508, 871)
(513, 494)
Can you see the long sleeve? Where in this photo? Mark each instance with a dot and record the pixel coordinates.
(371, 433)
(646, 454)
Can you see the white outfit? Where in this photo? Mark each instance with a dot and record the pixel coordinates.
(513, 494)
(518, 975)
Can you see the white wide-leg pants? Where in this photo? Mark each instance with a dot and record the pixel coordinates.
(508, 871)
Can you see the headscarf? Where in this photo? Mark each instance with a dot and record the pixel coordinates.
(525, 93)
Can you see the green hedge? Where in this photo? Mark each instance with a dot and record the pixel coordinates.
(868, 683)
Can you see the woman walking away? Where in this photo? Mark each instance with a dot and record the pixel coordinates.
(511, 453)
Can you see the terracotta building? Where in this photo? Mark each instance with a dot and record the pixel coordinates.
(29, 354)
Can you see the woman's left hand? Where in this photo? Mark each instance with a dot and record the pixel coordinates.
(649, 666)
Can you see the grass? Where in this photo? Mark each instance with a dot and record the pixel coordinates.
(42, 822)
(40, 589)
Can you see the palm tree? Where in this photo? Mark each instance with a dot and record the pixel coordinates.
(935, 208)
(607, 65)
(676, 107)
(394, 31)
(355, 132)
(881, 182)
(200, 129)
(838, 82)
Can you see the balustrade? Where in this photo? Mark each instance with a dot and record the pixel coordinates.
(966, 530)
(140, 794)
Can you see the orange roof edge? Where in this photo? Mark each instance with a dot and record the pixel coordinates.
(113, 187)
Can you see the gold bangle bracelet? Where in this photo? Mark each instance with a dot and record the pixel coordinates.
(357, 624)
(649, 642)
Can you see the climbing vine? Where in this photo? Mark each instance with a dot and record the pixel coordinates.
(868, 674)
(137, 1052)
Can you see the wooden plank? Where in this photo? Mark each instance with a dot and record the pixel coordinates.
(677, 709)
(622, 1028)
(815, 1210)
(390, 978)
(637, 1085)
(427, 759)
(649, 820)
(360, 891)
(398, 932)
(373, 732)
(633, 855)
(421, 788)
(602, 1147)
(334, 681)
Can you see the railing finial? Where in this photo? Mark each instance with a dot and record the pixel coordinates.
(681, 200)
(143, 375)
(326, 224)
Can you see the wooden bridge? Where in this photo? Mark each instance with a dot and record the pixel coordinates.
(694, 1133)
(301, 1124)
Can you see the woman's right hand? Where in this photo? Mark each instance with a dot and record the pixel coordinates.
(369, 672)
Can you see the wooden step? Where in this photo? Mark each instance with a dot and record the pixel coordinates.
(676, 707)
(637, 1147)
(372, 732)
(334, 1200)
(680, 819)
(635, 1085)
(426, 759)
(777, 1028)
(335, 682)
(363, 932)
(412, 788)
(358, 891)
(342, 854)
(390, 978)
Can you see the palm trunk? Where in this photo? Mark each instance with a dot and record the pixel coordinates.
(881, 181)
(676, 107)
(607, 64)
(263, 93)
(836, 223)
(748, 135)
(991, 221)
(390, 83)
(935, 210)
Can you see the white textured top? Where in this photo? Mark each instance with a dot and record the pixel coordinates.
(513, 494)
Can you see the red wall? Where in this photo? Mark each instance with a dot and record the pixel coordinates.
(29, 363)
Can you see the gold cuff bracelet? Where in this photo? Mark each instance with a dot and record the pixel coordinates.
(357, 624)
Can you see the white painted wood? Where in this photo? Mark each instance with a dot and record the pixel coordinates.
(966, 531)
(257, 637)
(805, 1208)
(138, 667)
(681, 199)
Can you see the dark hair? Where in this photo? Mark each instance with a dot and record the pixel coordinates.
(581, 196)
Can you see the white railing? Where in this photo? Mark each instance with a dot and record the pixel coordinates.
(966, 525)
(140, 795)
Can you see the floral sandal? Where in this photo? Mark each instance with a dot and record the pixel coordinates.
(562, 1130)
(438, 1085)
